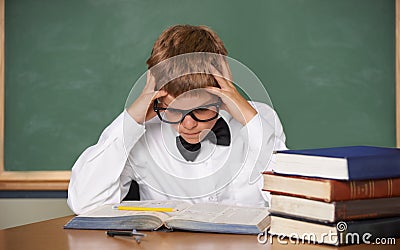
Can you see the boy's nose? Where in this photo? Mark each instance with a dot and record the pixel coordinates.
(188, 122)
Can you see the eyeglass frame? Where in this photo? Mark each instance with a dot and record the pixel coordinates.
(188, 111)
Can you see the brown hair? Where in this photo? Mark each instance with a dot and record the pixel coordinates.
(182, 39)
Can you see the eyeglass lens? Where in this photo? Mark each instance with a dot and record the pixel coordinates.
(202, 114)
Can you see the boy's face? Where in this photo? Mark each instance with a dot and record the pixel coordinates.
(191, 130)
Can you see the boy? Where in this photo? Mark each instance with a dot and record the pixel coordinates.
(194, 137)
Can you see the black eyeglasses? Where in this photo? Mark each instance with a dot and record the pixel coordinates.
(203, 113)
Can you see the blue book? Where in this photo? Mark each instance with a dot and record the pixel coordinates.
(342, 163)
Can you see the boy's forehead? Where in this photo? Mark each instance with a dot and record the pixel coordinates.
(188, 100)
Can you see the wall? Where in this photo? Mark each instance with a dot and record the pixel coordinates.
(16, 212)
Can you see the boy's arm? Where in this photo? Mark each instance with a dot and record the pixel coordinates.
(265, 135)
(265, 131)
(97, 176)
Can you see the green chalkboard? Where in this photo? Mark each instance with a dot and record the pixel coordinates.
(327, 65)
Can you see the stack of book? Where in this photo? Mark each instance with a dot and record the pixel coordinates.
(343, 195)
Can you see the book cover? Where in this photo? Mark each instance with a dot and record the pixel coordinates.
(343, 163)
(340, 233)
(203, 217)
(334, 211)
(330, 190)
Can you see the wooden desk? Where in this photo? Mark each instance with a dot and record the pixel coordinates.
(51, 235)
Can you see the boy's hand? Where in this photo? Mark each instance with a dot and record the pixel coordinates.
(233, 101)
(141, 109)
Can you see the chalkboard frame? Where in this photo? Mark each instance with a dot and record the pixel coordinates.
(58, 180)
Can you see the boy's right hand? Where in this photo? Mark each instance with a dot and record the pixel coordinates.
(141, 109)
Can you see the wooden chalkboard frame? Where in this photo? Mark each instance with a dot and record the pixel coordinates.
(58, 180)
(22, 180)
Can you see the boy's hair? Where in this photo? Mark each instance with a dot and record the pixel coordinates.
(182, 39)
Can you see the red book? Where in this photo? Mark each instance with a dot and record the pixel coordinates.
(329, 190)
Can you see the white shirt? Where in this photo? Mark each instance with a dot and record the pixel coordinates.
(148, 154)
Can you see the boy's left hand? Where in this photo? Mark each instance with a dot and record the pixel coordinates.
(233, 101)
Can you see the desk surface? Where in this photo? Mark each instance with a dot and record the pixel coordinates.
(51, 235)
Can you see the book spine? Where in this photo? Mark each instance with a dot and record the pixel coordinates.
(353, 190)
(374, 167)
(363, 209)
(342, 233)
(336, 190)
(374, 228)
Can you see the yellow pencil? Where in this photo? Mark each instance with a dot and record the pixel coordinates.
(151, 209)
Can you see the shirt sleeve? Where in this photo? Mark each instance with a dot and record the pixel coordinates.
(96, 177)
(264, 135)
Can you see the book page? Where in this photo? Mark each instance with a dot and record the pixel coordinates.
(225, 214)
(109, 211)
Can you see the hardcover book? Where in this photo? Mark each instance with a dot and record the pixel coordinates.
(330, 190)
(342, 163)
(340, 233)
(334, 211)
(203, 217)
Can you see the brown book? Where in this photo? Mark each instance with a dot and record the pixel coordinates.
(334, 211)
(330, 190)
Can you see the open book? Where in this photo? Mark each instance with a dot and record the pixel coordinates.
(204, 217)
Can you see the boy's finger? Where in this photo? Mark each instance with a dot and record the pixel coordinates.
(225, 69)
(214, 90)
(222, 80)
(150, 82)
(223, 83)
(215, 72)
(159, 94)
